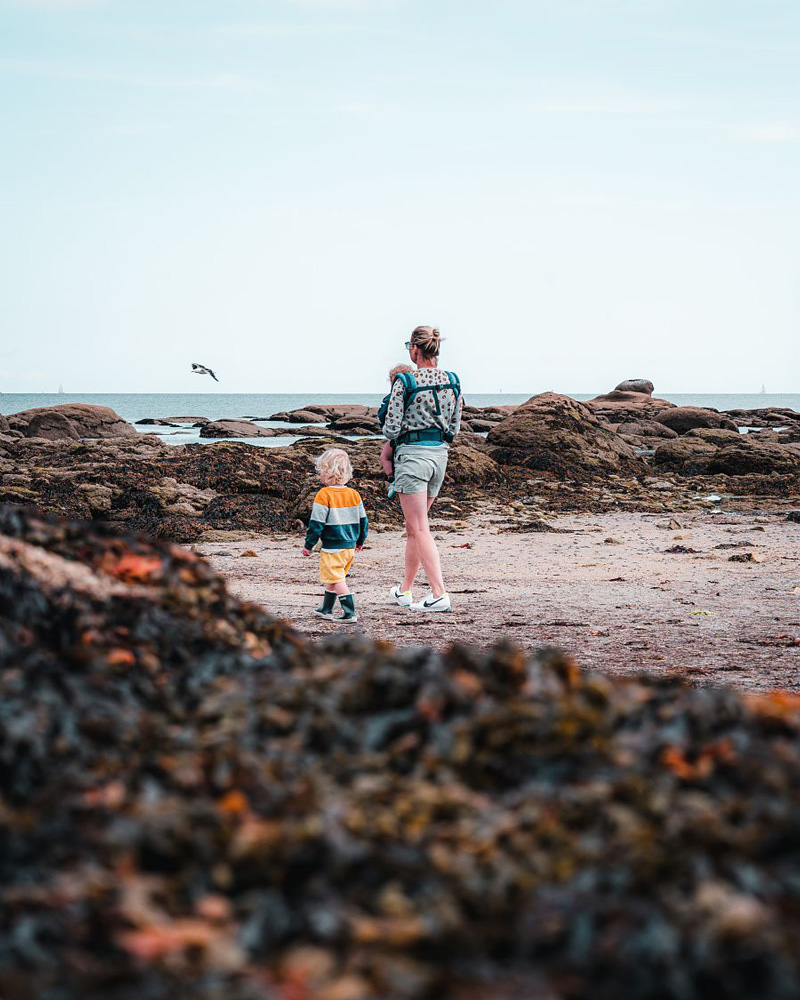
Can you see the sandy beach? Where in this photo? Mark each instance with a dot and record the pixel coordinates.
(602, 587)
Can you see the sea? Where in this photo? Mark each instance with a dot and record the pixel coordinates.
(261, 406)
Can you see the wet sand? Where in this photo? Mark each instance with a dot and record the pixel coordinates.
(605, 589)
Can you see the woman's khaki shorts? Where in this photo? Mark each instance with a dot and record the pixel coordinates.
(420, 468)
(334, 566)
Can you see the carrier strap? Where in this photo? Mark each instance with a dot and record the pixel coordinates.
(427, 435)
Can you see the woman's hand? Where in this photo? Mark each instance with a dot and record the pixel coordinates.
(306, 553)
(359, 548)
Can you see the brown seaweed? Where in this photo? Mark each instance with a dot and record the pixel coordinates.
(197, 802)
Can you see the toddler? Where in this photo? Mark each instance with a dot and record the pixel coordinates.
(387, 452)
(339, 521)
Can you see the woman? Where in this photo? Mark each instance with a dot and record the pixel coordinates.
(423, 417)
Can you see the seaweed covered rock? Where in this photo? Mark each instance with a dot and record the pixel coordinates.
(706, 452)
(684, 454)
(753, 457)
(195, 802)
(555, 433)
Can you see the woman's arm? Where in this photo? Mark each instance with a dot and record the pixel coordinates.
(394, 414)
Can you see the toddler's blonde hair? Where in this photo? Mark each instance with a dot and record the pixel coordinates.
(400, 370)
(334, 467)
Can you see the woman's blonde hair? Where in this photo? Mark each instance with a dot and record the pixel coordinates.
(427, 339)
(334, 467)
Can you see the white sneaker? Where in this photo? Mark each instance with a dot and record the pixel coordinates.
(431, 603)
(401, 597)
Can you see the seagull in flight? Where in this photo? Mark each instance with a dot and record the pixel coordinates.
(202, 370)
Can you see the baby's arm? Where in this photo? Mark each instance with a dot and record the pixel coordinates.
(394, 416)
(386, 458)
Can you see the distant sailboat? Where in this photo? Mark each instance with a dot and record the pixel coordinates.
(763, 389)
(60, 389)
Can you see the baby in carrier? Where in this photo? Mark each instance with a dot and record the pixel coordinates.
(387, 452)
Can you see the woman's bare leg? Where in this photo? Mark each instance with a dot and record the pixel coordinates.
(420, 546)
(413, 561)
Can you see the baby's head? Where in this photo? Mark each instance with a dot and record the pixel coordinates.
(400, 370)
(333, 467)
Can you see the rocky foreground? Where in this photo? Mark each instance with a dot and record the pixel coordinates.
(198, 803)
(625, 449)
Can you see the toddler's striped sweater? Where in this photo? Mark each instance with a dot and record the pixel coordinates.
(338, 518)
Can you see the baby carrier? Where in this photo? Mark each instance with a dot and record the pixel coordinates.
(410, 389)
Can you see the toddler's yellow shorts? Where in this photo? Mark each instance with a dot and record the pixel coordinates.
(334, 566)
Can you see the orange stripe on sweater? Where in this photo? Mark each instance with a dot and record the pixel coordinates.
(338, 498)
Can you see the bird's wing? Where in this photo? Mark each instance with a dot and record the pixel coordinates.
(213, 375)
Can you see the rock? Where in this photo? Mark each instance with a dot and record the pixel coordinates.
(99, 498)
(618, 406)
(686, 418)
(479, 426)
(181, 498)
(764, 417)
(237, 429)
(299, 417)
(714, 435)
(336, 410)
(636, 385)
(469, 463)
(743, 457)
(746, 557)
(88, 421)
(557, 434)
(355, 425)
(493, 413)
(52, 426)
(683, 455)
(739, 457)
(644, 429)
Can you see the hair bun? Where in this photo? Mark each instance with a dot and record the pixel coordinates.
(427, 339)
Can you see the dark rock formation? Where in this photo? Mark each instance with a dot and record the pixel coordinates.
(738, 457)
(172, 421)
(743, 458)
(714, 435)
(686, 418)
(683, 454)
(365, 424)
(557, 434)
(764, 417)
(238, 429)
(83, 421)
(636, 385)
(299, 417)
(644, 429)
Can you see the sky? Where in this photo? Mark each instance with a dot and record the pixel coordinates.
(575, 191)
